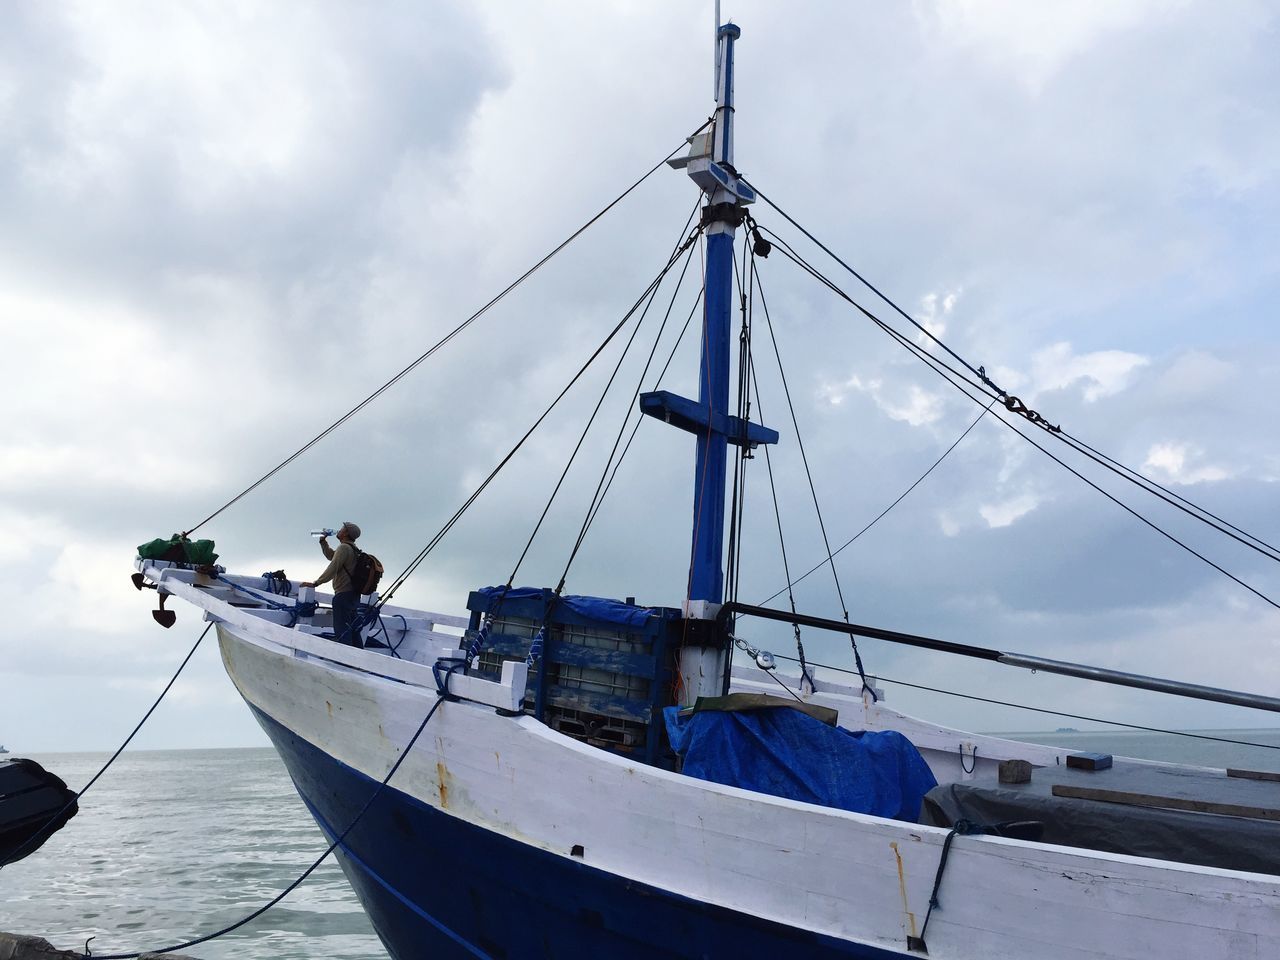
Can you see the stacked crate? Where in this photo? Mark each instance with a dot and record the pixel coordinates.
(599, 681)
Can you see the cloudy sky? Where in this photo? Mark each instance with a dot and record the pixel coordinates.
(222, 225)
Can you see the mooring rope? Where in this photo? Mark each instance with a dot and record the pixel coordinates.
(306, 873)
(120, 749)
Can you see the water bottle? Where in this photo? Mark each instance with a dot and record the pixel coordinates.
(326, 532)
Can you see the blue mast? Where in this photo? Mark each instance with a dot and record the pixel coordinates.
(710, 165)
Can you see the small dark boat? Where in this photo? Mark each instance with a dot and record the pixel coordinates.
(30, 797)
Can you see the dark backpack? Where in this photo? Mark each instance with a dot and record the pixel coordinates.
(366, 572)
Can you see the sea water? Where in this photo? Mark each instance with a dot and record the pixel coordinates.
(1239, 749)
(170, 845)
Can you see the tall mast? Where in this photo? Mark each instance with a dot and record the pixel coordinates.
(710, 165)
(706, 581)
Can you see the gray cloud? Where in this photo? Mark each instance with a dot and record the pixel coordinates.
(219, 233)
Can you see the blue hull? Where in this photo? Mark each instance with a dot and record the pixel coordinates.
(436, 886)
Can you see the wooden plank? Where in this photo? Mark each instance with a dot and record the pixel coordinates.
(1253, 774)
(507, 646)
(261, 627)
(506, 694)
(442, 619)
(1168, 803)
(613, 661)
(601, 703)
(438, 637)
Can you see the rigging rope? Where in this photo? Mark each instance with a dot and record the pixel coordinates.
(119, 750)
(961, 383)
(435, 540)
(1046, 710)
(844, 607)
(289, 608)
(1168, 496)
(639, 416)
(881, 515)
(742, 452)
(778, 680)
(1110, 496)
(536, 646)
(603, 483)
(1014, 405)
(480, 639)
(311, 869)
(805, 676)
(977, 371)
(441, 342)
(686, 244)
(1147, 480)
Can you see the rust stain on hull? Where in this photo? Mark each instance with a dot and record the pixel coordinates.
(902, 889)
(442, 772)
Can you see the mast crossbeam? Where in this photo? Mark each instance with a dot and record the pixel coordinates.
(699, 419)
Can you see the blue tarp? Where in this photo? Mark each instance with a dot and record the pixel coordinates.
(592, 608)
(785, 753)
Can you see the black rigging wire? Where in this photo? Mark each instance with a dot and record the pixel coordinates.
(1143, 482)
(605, 480)
(1160, 492)
(650, 291)
(782, 544)
(804, 458)
(742, 452)
(778, 680)
(881, 515)
(443, 531)
(119, 750)
(1110, 496)
(306, 873)
(753, 384)
(1144, 479)
(826, 543)
(1044, 710)
(958, 380)
(640, 417)
(635, 331)
(865, 282)
(438, 344)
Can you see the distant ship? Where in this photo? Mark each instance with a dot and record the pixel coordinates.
(3, 748)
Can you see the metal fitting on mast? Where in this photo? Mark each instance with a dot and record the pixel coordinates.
(709, 162)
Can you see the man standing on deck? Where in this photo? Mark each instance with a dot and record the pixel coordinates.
(342, 563)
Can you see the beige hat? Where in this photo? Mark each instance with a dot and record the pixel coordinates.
(353, 529)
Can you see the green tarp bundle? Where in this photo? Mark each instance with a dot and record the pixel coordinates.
(178, 550)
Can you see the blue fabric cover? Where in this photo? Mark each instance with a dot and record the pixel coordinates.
(592, 608)
(785, 753)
